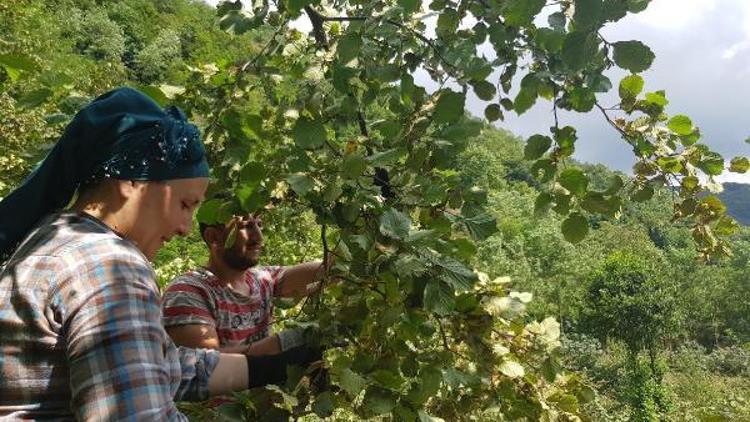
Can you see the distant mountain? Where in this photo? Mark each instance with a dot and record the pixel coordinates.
(736, 197)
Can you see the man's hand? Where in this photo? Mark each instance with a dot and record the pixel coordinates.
(271, 369)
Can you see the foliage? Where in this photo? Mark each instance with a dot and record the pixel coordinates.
(163, 53)
(352, 139)
(630, 300)
(98, 36)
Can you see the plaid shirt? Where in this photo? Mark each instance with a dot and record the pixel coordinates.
(81, 334)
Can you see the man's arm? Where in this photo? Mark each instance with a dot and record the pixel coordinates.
(300, 280)
(205, 337)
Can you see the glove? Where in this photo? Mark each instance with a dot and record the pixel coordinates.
(296, 337)
(271, 369)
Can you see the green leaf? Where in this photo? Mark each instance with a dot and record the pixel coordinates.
(557, 21)
(566, 138)
(155, 93)
(232, 236)
(456, 274)
(348, 47)
(300, 183)
(726, 226)
(481, 226)
(536, 146)
(57, 118)
(575, 228)
(309, 134)
(712, 164)
(387, 157)
(657, 98)
(636, 6)
(332, 191)
(232, 411)
(238, 22)
(484, 90)
(349, 381)
(449, 107)
(527, 95)
(395, 224)
(447, 23)
(512, 369)
(19, 62)
(493, 112)
(252, 173)
(643, 194)
(566, 402)
(574, 180)
(295, 6)
(600, 83)
(739, 165)
(387, 378)
(251, 199)
(521, 12)
(579, 50)
(681, 125)
(13, 73)
(543, 170)
(426, 386)
(615, 184)
(596, 203)
(631, 86)
(586, 394)
(409, 6)
(582, 99)
(324, 404)
(633, 56)
(409, 266)
(543, 203)
(588, 14)
(550, 369)
(670, 164)
(213, 211)
(353, 166)
(379, 401)
(35, 98)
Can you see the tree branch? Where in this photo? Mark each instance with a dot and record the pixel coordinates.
(316, 19)
(400, 25)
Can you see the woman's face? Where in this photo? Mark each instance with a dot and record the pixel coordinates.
(162, 210)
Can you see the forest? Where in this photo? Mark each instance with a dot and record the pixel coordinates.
(485, 277)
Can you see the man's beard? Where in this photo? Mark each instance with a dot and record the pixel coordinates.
(236, 260)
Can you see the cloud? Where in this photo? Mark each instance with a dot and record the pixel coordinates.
(675, 15)
(742, 45)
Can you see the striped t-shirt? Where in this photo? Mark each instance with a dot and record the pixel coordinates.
(198, 297)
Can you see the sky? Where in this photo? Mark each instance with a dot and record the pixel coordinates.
(702, 61)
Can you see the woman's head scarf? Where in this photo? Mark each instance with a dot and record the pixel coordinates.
(122, 135)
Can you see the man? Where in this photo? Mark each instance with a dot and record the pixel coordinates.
(228, 305)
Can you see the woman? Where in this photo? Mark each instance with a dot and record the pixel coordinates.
(80, 327)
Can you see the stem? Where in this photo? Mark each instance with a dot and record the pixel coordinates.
(613, 124)
(444, 337)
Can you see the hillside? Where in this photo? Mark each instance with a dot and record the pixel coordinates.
(736, 197)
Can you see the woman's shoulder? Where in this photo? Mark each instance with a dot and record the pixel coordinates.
(83, 238)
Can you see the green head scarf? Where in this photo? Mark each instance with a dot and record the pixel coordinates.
(121, 135)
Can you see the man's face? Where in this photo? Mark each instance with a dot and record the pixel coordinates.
(245, 251)
(162, 210)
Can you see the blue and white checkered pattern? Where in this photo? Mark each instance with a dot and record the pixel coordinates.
(81, 334)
